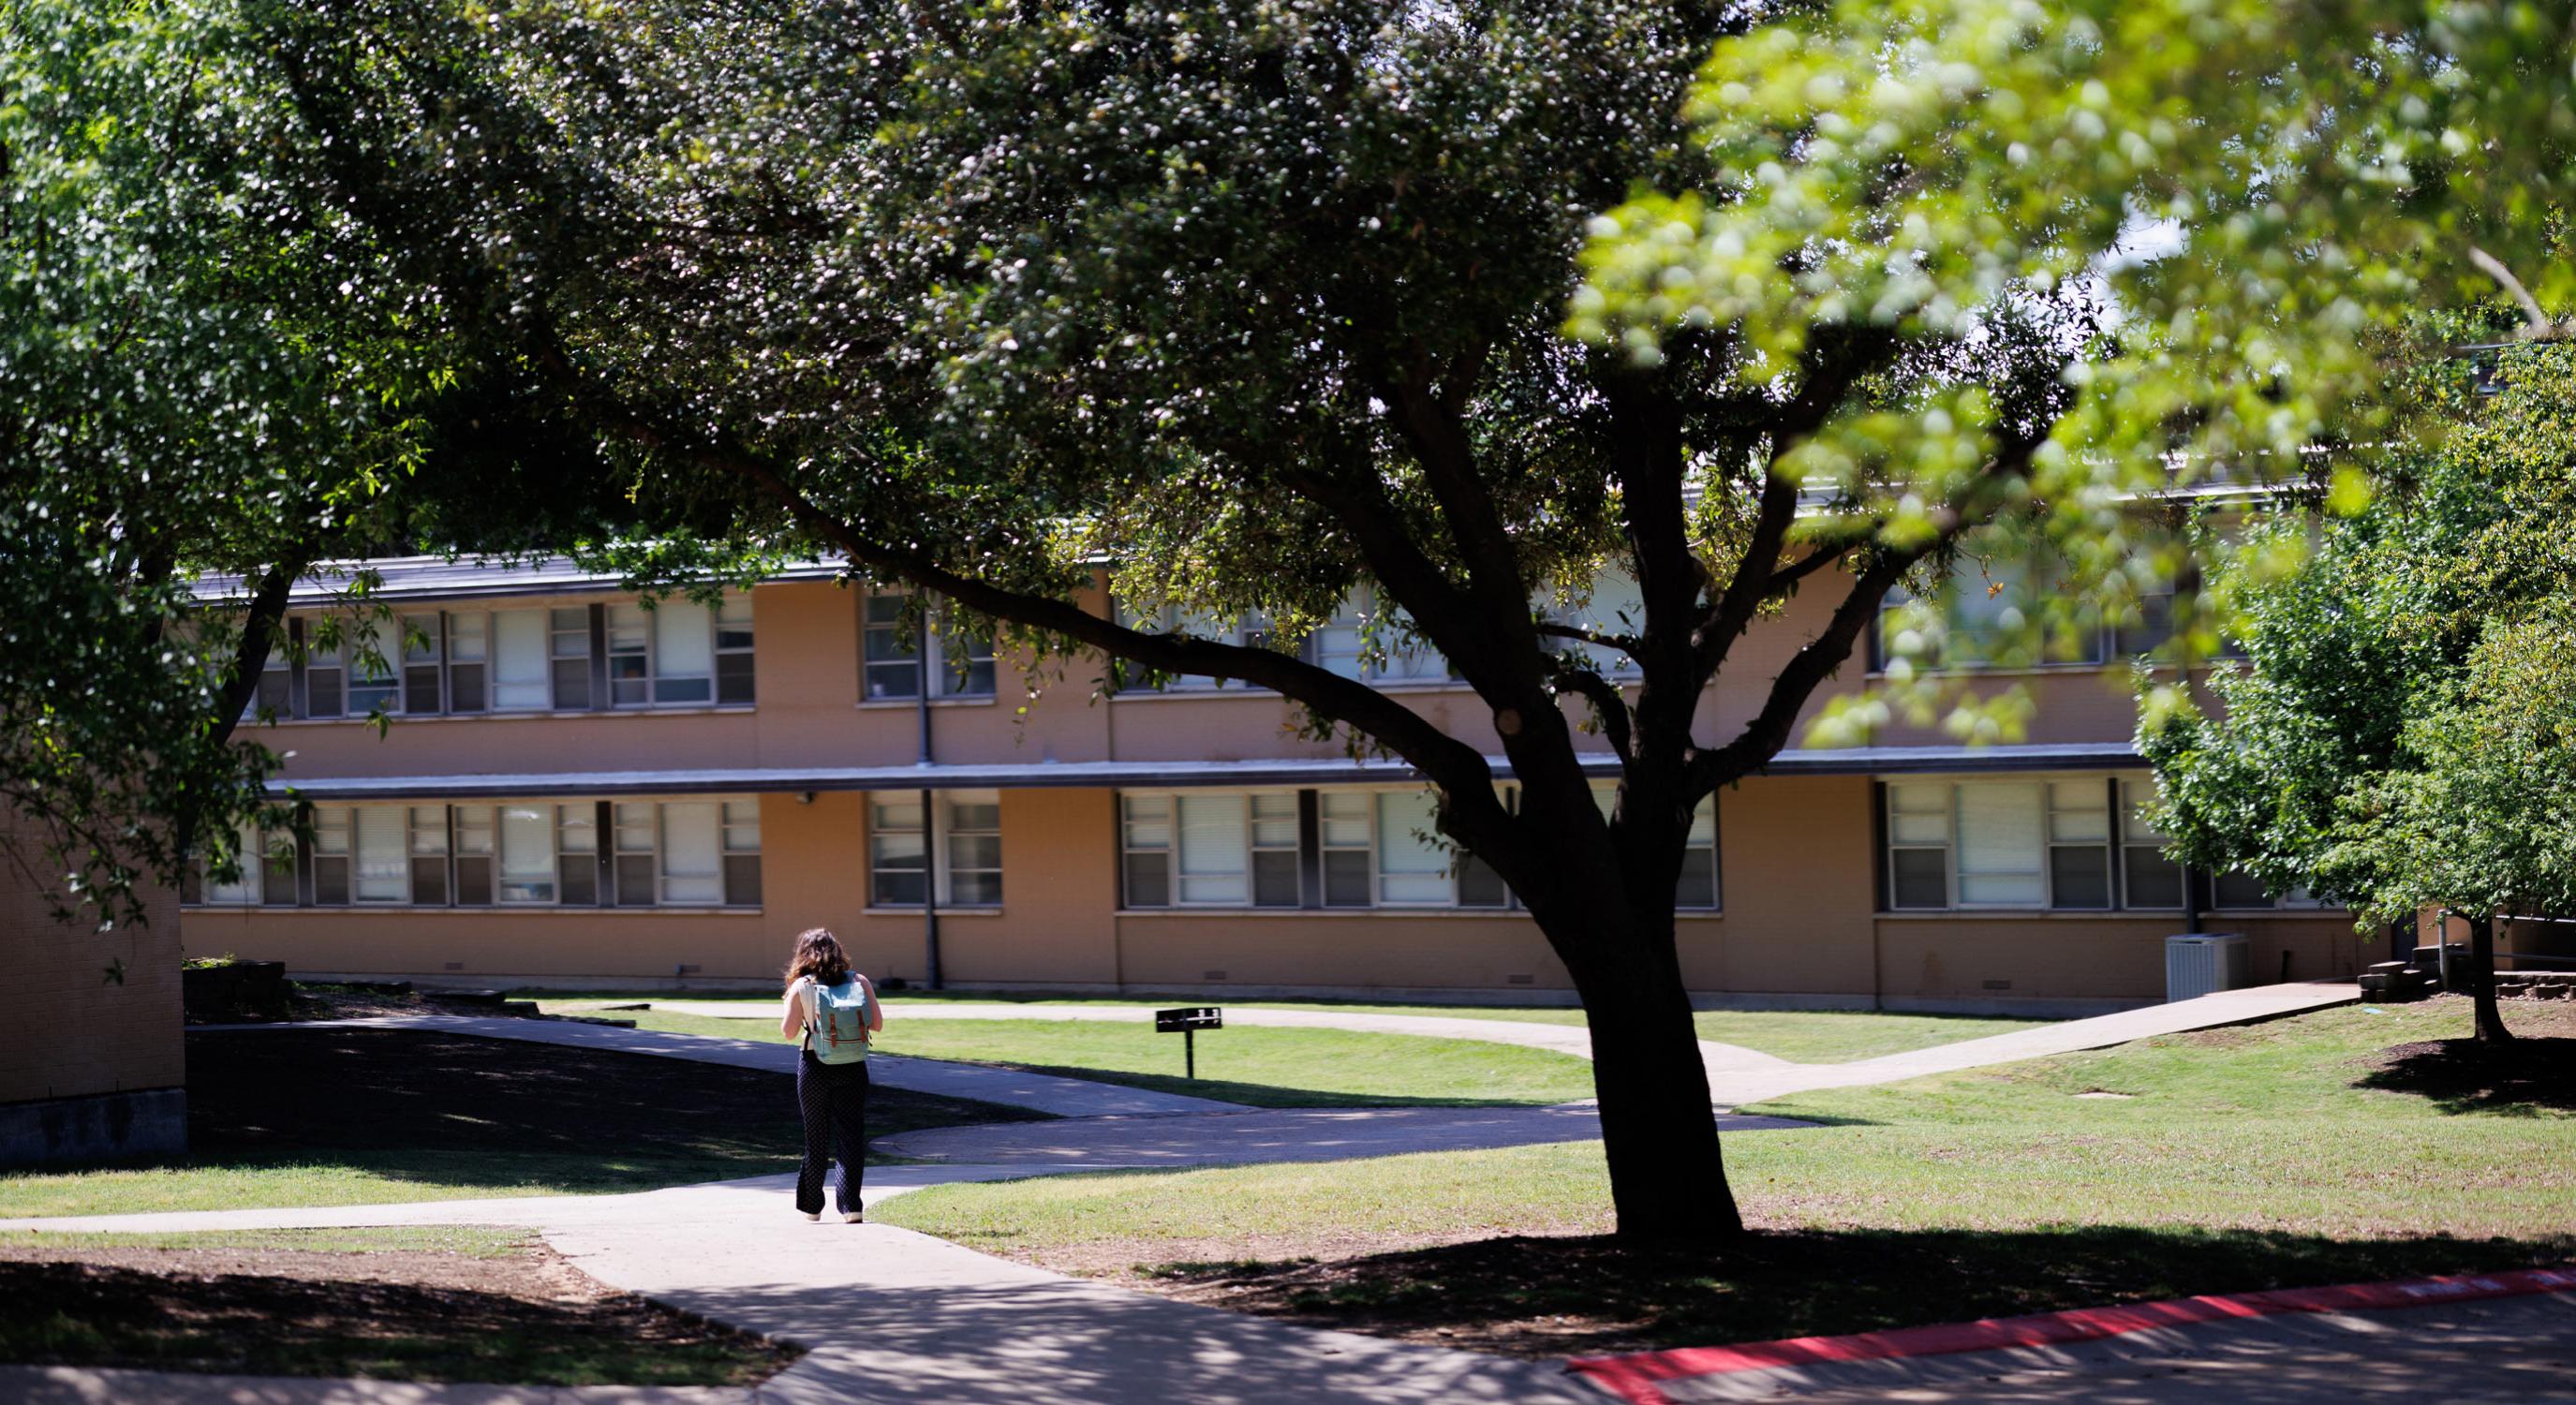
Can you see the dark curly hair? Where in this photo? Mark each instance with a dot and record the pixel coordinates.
(818, 954)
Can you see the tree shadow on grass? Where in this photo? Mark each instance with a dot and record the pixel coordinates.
(456, 1110)
(2522, 1077)
(1550, 1297)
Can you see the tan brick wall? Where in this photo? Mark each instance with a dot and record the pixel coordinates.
(66, 1030)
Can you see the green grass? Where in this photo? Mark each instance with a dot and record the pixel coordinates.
(1800, 1036)
(471, 1241)
(2235, 1149)
(1253, 1066)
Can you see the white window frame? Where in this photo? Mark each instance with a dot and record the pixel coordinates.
(930, 653)
(1325, 849)
(939, 828)
(1253, 847)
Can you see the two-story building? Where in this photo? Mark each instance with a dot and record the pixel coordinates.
(579, 790)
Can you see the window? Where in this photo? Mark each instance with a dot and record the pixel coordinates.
(969, 848)
(1697, 887)
(1343, 644)
(424, 651)
(1251, 631)
(692, 854)
(630, 656)
(428, 849)
(527, 853)
(245, 888)
(1412, 859)
(331, 855)
(469, 660)
(2244, 891)
(1986, 614)
(734, 651)
(1998, 849)
(577, 855)
(525, 647)
(2079, 845)
(324, 674)
(961, 666)
(742, 853)
(637, 869)
(372, 681)
(1224, 849)
(2147, 877)
(1613, 604)
(275, 696)
(475, 828)
(1918, 844)
(684, 653)
(569, 658)
(1345, 844)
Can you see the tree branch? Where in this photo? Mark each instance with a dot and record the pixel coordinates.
(1624, 643)
(1608, 704)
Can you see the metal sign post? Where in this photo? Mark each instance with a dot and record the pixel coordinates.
(1188, 1021)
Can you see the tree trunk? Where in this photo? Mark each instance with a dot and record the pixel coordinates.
(2482, 983)
(1667, 1179)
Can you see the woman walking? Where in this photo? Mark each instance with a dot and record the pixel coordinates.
(832, 1011)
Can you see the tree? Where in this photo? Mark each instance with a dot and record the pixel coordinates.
(2400, 735)
(1269, 306)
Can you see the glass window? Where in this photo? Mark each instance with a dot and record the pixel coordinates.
(1918, 844)
(1338, 645)
(684, 652)
(476, 826)
(569, 655)
(742, 853)
(1346, 841)
(637, 840)
(372, 680)
(1215, 852)
(325, 672)
(332, 850)
(965, 663)
(1614, 604)
(734, 678)
(382, 835)
(527, 853)
(577, 854)
(692, 854)
(428, 851)
(521, 680)
(2235, 889)
(898, 849)
(1697, 887)
(1145, 840)
(1412, 858)
(2000, 823)
(244, 889)
(275, 696)
(890, 667)
(2147, 878)
(974, 848)
(1275, 879)
(630, 656)
(469, 661)
(424, 651)
(2079, 844)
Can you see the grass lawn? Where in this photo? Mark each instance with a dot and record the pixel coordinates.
(1800, 1036)
(424, 1304)
(2302, 1151)
(1256, 1067)
(358, 1116)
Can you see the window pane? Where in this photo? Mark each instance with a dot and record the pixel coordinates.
(974, 850)
(2149, 879)
(1212, 856)
(2078, 811)
(742, 880)
(1149, 879)
(527, 853)
(2000, 829)
(1918, 813)
(465, 687)
(630, 680)
(898, 888)
(692, 863)
(895, 814)
(974, 814)
(331, 880)
(1412, 862)
(429, 829)
(1148, 821)
(1920, 877)
(473, 881)
(734, 678)
(519, 663)
(1274, 821)
(733, 623)
(2079, 877)
(2238, 890)
(429, 880)
(1345, 819)
(1479, 885)
(1346, 878)
(1697, 887)
(684, 652)
(578, 875)
(1274, 878)
(975, 889)
(465, 635)
(635, 879)
(384, 860)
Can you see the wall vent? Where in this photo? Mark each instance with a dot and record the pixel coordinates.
(685, 969)
(454, 966)
(1518, 980)
(1998, 985)
(1211, 975)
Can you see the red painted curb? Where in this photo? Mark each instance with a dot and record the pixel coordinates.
(1634, 1378)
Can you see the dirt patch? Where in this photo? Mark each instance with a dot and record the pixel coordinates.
(528, 1317)
(1553, 1297)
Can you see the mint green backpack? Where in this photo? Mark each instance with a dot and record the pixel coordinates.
(837, 1028)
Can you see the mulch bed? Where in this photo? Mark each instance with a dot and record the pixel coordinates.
(412, 1315)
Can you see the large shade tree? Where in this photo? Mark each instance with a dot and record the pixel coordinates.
(1269, 304)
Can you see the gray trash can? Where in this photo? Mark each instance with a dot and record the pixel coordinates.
(2201, 962)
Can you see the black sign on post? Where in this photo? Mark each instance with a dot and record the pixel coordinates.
(1188, 1021)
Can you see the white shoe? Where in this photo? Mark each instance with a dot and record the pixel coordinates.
(814, 1215)
(853, 1217)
